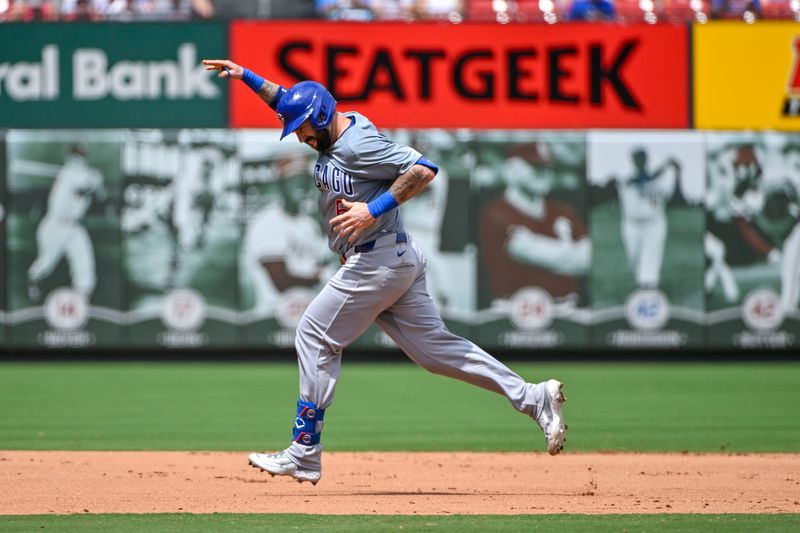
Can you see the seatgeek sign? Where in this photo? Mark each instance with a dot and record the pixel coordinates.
(474, 75)
(111, 75)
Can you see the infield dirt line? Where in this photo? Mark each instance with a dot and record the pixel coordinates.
(59, 482)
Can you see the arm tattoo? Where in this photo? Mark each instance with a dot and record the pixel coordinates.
(268, 91)
(409, 184)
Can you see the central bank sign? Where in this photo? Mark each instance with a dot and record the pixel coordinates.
(111, 76)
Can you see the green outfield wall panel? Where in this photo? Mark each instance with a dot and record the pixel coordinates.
(752, 243)
(532, 242)
(3, 267)
(62, 239)
(535, 241)
(180, 232)
(646, 192)
(284, 259)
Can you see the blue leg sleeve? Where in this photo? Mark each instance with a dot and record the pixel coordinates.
(308, 424)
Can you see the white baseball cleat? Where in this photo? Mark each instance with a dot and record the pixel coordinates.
(280, 464)
(550, 417)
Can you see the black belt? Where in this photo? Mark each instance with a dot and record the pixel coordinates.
(400, 238)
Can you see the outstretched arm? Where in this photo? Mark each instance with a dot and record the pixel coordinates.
(265, 89)
(359, 216)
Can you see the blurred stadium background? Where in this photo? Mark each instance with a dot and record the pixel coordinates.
(148, 207)
(454, 11)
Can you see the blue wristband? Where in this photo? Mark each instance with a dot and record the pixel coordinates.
(383, 203)
(252, 80)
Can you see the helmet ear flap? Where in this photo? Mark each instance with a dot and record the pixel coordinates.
(324, 115)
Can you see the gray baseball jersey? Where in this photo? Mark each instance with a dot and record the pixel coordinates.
(359, 167)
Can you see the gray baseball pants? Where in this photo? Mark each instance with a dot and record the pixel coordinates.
(387, 286)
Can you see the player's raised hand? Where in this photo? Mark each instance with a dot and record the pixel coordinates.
(225, 68)
(353, 222)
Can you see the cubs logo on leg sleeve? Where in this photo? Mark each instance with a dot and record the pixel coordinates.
(308, 423)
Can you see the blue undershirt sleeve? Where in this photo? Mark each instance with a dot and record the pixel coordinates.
(425, 163)
(278, 95)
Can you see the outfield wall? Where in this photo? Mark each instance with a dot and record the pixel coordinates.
(576, 209)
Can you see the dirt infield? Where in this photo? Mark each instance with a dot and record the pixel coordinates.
(401, 483)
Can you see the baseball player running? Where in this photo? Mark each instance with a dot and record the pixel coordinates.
(362, 177)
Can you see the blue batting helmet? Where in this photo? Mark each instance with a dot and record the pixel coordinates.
(306, 100)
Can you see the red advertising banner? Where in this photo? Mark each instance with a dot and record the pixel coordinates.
(474, 75)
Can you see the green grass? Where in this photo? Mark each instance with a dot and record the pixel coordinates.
(219, 406)
(154, 523)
